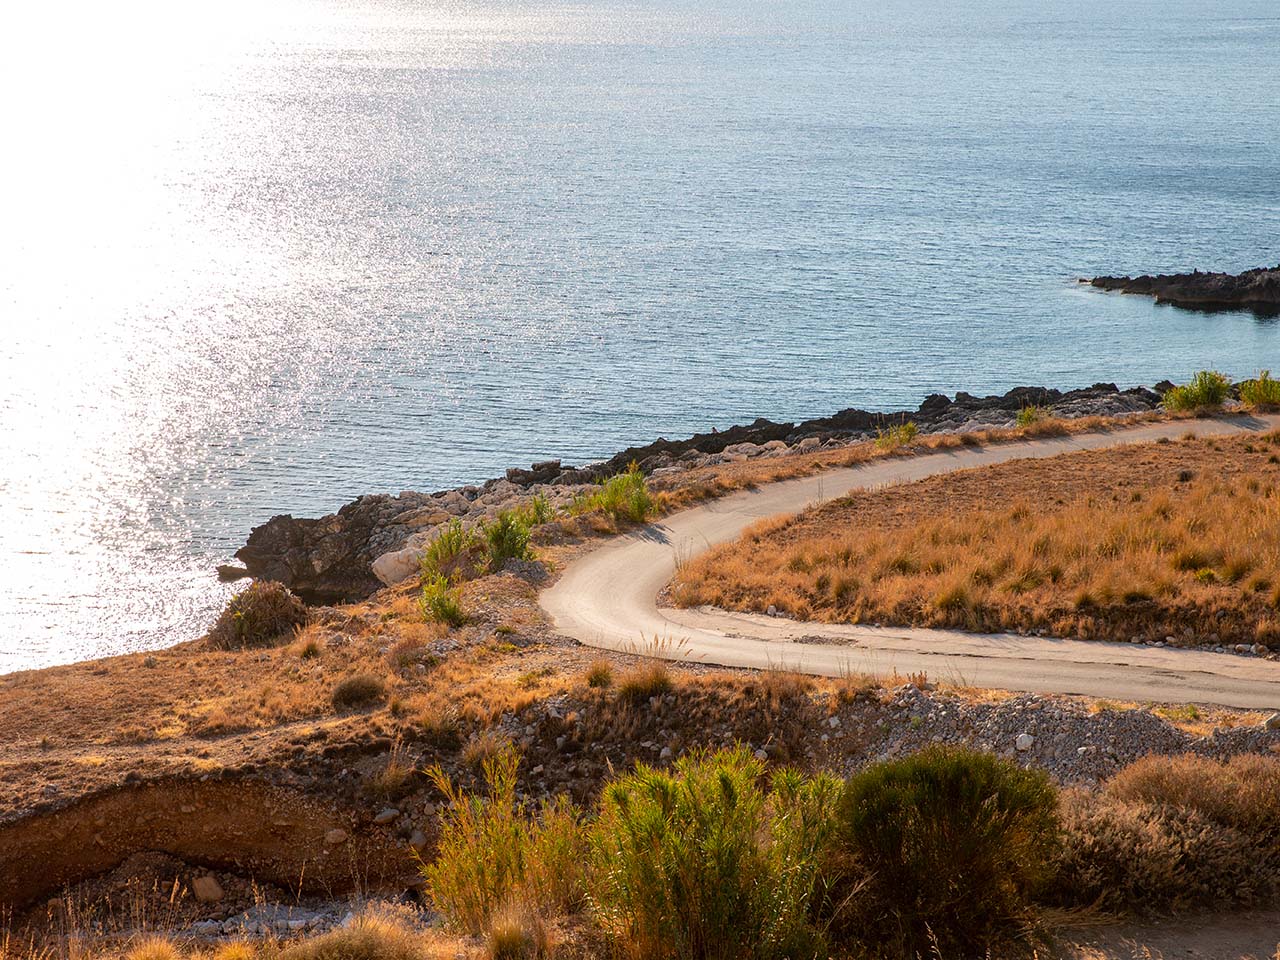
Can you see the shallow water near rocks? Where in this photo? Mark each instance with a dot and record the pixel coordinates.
(263, 261)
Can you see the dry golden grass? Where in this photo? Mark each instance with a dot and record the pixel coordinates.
(705, 483)
(1153, 541)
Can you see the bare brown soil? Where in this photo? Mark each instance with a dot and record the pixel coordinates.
(1142, 542)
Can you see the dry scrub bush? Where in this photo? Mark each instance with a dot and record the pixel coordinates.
(1242, 793)
(257, 617)
(952, 846)
(1156, 859)
(1203, 556)
(359, 690)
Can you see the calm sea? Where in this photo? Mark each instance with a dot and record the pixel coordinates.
(262, 258)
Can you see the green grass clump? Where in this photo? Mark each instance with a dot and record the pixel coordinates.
(257, 617)
(442, 556)
(953, 845)
(495, 851)
(441, 602)
(1205, 391)
(507, 538)
(890, 438)
(701, 864)
(1260, 392)
(624, 498)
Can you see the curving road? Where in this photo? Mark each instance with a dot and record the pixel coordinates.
(608, 599)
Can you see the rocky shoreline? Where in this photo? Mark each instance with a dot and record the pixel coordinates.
(369, 543)
(1257, 290)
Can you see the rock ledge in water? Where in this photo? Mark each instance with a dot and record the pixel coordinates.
(1257, 290)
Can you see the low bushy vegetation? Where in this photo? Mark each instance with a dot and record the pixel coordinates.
(495, 851)
(507, 538)
(359, 690)
(1207, 390)
(890, 438)
(1032, 414)
(258, 616)
(701, 863)
(445, 554)
(1177, 552)
(624, 498)
(954, 845)
(1260, 393)
(441, 602)
(944, 853)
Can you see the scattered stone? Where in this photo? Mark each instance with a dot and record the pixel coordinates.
(335, 836)
(387, 815)
(1024, 742)
(206, 888)
(418, 840)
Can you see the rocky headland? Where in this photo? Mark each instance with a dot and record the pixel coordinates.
(375, 540)
(1257, 290)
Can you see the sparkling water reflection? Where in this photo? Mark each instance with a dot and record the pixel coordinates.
(264, 260)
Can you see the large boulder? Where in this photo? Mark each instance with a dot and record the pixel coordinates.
(329, 560)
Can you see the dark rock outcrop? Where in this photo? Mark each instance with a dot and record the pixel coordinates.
(328, 560)
(1257, 290)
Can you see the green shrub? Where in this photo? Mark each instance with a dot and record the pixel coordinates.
(1206, 390)
(507, 538)
(494, 852)
(537, 511)
(624, 498)
(441, 602)
(257, 617)
(953, 845)
(698, 864)
(1032, 414)
(890, 438)
(1262, 391)
(446, 552)
(359, 690)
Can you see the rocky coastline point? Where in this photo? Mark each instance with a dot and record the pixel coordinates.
(376, 539)
(1257, 290)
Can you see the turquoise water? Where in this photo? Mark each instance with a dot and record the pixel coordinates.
(265, 262)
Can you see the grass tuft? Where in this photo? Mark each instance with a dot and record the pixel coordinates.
(357, 691)
(640, 683)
